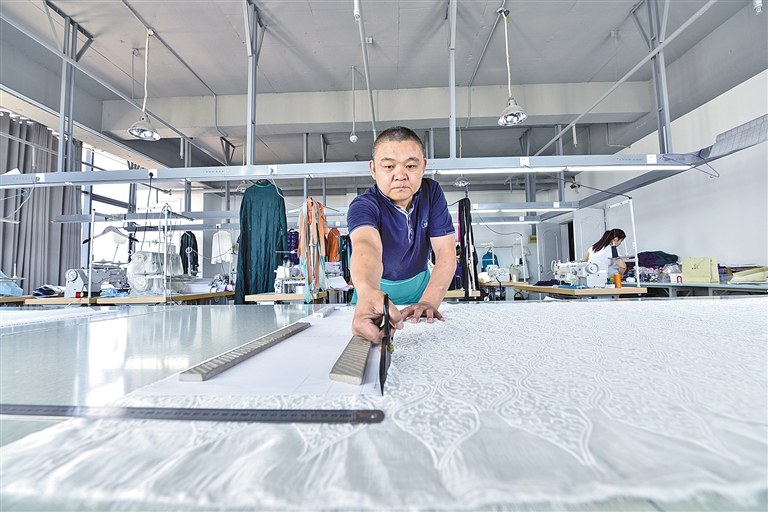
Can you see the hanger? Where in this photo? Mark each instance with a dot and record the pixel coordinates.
(110, 229)
(241, 187)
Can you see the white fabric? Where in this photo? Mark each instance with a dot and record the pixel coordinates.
(603, 259)
(221, 247)
(503, 405)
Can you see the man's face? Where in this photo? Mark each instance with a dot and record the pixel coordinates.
(398, 168)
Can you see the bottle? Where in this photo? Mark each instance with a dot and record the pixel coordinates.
(617, 280)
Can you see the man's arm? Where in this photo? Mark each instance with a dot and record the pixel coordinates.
(366, 268)
(444, 248)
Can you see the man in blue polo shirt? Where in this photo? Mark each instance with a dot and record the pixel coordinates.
(393, 226)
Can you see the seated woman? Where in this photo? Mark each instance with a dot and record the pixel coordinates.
(604, 251)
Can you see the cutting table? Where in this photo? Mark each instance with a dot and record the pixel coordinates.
(618, 405)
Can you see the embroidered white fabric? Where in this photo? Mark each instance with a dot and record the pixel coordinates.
(500, 406)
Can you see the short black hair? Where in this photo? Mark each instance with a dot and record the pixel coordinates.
(397, 134)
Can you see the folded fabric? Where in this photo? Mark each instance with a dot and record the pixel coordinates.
(48, 290)
(8, 288)
(112, 292)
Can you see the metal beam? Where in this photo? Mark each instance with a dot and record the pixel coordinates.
(358, 14)
(468, 166)
(632, 71)
(252, 23)
(452, 79)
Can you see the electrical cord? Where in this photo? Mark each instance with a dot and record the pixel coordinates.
(22, 203)
(23, 193)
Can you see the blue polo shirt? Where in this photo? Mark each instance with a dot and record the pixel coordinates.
(404, 234)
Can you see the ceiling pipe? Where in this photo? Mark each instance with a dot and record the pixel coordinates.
(452, 78)
(359, 19)
(479, 60)
(631, 72)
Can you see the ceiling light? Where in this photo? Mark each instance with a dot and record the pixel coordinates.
(514, 113)
(757, 5)
(143, 129)
(461, 182)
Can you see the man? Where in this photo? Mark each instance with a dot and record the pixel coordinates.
(392, 227)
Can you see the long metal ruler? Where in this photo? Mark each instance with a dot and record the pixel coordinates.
(183, 414)
(227, 360)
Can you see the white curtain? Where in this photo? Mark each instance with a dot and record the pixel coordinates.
(41, 249)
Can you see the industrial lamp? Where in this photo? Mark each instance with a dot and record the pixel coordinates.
(514, 113)
(143, 129)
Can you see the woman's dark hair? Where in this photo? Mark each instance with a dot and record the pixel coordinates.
(607, 237)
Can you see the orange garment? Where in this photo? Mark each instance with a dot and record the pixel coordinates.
(332, 247)
(312, 229)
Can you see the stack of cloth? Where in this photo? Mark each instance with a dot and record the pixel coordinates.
(48, 290)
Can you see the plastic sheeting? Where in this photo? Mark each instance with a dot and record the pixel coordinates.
(502, 405)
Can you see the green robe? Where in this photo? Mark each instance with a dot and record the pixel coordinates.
(263, 228)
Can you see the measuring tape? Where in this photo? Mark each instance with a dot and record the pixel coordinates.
(182, 414)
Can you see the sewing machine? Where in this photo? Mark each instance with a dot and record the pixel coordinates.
(77, 280)
(580, 273)
(497, 273)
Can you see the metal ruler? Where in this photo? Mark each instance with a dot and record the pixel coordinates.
(227, 360)
(183, 414)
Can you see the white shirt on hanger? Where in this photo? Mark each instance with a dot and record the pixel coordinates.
(221, 248)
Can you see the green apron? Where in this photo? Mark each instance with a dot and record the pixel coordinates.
(407, 291)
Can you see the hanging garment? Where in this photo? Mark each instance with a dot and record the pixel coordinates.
(489, 259)
(332, 248)
(292, 241)
(221, 247)
(312, 230)
(345, 252)
(263, 229)
(188, 261)
(468, 253)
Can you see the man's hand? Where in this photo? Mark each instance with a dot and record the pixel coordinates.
(368, 314)
(421, 309)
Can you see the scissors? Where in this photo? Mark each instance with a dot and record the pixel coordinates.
(386, 347)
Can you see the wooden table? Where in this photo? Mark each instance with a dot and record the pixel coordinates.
(582, 292)
(135, 299)
(59, 301)
(159, 299)
(15, 301)
(288, 297)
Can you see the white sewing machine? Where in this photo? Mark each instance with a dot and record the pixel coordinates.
(580, 273)
(77, 280)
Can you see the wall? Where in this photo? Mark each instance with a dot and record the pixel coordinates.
(693, 214)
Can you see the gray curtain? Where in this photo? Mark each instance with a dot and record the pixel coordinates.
(41, 249)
